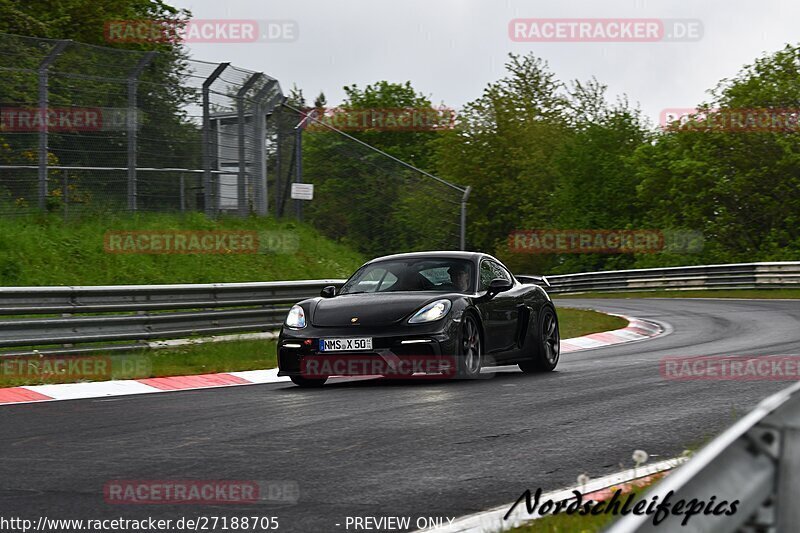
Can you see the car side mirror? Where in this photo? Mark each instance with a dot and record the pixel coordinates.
(328, 292)
(499, 285)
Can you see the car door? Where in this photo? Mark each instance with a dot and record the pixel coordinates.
(501, 312)
(509, 304)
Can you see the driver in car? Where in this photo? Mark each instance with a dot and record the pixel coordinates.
(459, 277)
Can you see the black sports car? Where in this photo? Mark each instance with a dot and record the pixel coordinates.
(443, 311)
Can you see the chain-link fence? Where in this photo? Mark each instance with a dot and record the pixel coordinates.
(87, 129)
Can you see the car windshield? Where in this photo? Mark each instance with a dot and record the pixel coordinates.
(445, 275)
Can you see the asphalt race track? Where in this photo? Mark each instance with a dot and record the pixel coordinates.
(375, 448)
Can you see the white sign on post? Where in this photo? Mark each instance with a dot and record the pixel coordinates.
(302, 191)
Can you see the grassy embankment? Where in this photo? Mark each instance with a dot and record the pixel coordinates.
(38, 251)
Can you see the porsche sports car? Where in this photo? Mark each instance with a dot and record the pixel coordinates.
(464, 308)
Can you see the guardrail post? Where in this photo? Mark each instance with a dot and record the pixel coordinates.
(208, 182)
(788, 489)
(44, 67)
(242, 181)
(132, 125)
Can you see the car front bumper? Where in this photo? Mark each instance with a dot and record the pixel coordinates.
(428, 343)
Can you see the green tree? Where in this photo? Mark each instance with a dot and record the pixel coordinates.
(597, 182)
(504, 146)
(398, 208)
(83, 20)
(740, 189)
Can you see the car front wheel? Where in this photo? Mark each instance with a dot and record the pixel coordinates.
(469, 357)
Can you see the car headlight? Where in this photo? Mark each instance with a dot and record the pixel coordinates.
(296, 317)
(431, 312)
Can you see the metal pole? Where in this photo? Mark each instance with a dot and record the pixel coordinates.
(242, 181)
(278, 170)
(183, 194)
(464, 198)
(132, 125)
(788, 483)
(208, 192)
(298, 153)
(259, 176)
(65, 194)
(43, 103)
(259, 137)
(298, 168)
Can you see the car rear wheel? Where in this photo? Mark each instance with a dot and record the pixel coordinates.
(470, 359)
(547, 346)
(301, 381)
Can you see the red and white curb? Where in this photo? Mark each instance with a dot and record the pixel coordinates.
(100, 389)
(493, 521)
(637, 330)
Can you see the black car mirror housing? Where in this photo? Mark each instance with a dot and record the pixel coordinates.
(499, 285)
(328, 292)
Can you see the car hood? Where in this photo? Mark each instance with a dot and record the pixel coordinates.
(370, 309)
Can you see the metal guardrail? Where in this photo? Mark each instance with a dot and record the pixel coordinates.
(142, 312)
(735, 276)
(756, 462)
(116, 314)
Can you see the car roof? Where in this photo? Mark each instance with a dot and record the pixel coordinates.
(472, 256)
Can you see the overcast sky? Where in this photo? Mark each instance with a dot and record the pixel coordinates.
(450, 49)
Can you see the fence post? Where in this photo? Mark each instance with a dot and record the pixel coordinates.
(278, 170)
(463, 237)
(43, 104)
(298, 154)
(65, 194)
(298, 169)
(241, 187)
(132, 124)
(208, 182)
(259, 153)
(183, 194)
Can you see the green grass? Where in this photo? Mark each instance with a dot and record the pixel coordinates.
(579, 322)
(186, 360)
(562, 523)
(209, 358)
(44, 250)
(214, 357)
(712, 293)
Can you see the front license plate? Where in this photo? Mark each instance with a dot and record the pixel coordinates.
(345, 345)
